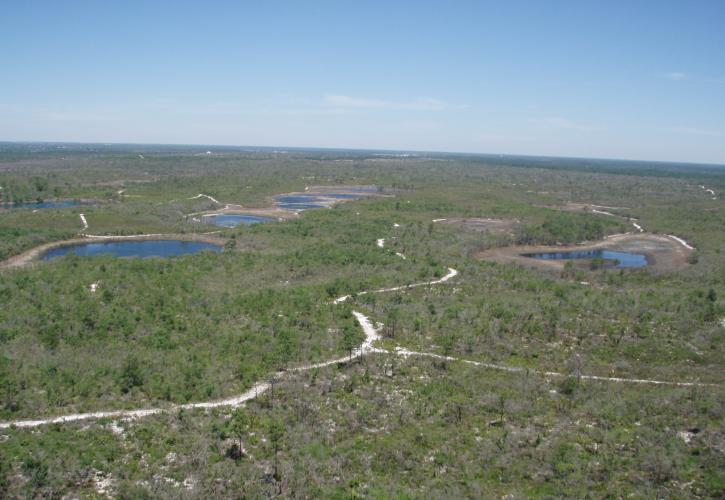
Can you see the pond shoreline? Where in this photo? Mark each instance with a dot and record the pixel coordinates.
(662, 253)
(35, 254)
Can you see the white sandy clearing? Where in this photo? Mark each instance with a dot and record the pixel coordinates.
(201, 195)
(84, 221)
(680, 240)
(396, 225)
(93, 287)
(381, 243)
(439, 220)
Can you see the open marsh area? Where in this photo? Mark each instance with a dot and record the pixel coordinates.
(397, 342)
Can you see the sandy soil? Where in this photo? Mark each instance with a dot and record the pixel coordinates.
(663, 253)
(482, 224)
(231, 209)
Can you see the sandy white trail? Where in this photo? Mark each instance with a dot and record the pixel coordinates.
(708, 190)
(451, 273)
(611, 208)
(371, 335)
(200, 195)
(680, 240)
(252, 393)
(516, 369)
(631, 220)
(83, 220)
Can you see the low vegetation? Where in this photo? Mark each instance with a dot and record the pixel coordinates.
(155, 332)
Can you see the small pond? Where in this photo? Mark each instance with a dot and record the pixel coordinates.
(45, 204)
(617, 260)
(142, 248)
(306, 201)
(300, 202)
(233, 220)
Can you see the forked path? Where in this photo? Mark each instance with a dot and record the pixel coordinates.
(367, 347)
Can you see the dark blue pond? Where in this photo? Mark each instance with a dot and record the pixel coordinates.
(623, 259)
(46, 204)
(299, 202)
(312, 201)
(145, 248)
(232, 220)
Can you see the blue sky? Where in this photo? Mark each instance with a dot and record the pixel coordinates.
(630, 79)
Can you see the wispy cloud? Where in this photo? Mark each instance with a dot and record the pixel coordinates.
(699, 131)
(345, 101)
(566, 123)
(677, 76)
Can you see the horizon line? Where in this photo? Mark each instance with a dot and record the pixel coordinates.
(377, 150)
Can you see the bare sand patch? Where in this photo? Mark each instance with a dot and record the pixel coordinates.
(483, 224)
(232, 209)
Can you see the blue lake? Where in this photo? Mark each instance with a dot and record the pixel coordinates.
(232, 220)
(46, 204)
(623, 259)
(143, 248)
(316, 200)
(299, 202)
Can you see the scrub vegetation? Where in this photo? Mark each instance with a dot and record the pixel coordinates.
(102, 333)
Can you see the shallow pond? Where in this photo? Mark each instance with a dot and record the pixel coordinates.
(622, 259)
(233, 220)
(143, 248)
(300, 202)
(45, 204)
(318, 200)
